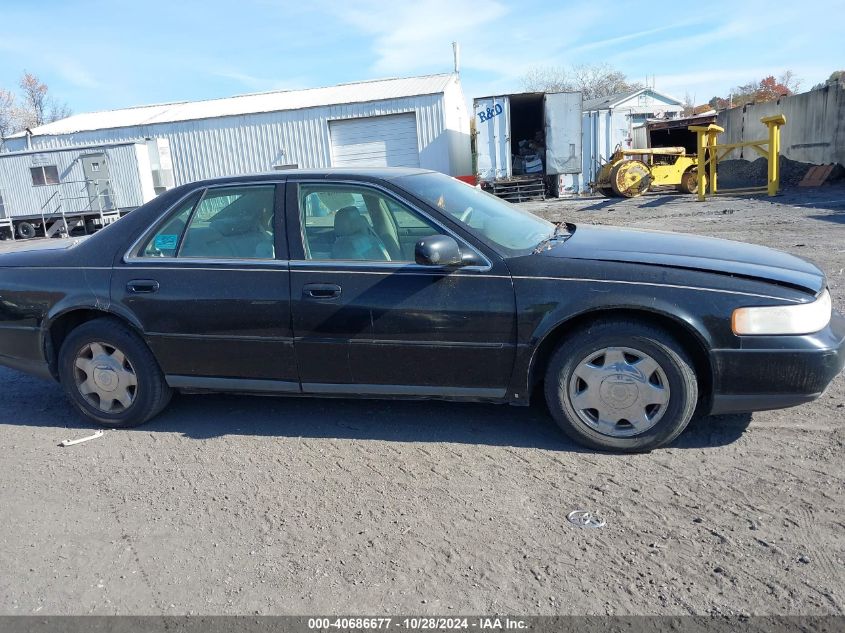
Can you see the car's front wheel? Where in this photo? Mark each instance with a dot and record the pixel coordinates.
(622, 386)
(110, 375)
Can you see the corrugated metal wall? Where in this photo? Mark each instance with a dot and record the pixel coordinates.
(251, 143)
(21, 198)
(814, 130)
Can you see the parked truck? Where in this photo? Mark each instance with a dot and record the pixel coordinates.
(528, 145)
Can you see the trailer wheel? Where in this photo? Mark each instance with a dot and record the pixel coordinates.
(26, 230)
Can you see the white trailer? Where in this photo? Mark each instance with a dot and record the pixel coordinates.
(528, 145)
(56, 192)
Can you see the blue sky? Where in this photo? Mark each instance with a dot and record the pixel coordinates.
(101, 54)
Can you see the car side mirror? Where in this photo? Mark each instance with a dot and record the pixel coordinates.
(438, 250)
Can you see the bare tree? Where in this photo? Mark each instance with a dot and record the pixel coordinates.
(689, 104)
(35, 107)
(547, 79)
(8, 114)
(601, 80)
(593, 80)
(58, 110)
(790, 81)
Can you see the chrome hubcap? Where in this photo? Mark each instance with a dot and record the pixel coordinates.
(619, 391)
(105, 377)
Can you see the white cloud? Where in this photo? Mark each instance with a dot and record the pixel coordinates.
(628, 37)
(73, 73)
(255, 83)
(36, 59)
(495, 38)
(406, 34)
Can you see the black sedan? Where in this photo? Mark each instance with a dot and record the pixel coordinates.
(410, 284)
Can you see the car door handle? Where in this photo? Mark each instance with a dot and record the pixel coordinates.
(321, 291)
(142, 286)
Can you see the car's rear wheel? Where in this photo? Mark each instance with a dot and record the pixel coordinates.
(621, 386)
(110, 375)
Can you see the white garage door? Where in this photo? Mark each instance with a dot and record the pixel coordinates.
(377, 141)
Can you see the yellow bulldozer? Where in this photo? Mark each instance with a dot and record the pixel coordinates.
(632, 172)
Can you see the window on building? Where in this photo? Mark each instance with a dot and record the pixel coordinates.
(44, 175)
(2, 206)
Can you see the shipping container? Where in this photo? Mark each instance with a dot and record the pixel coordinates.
(528, 145)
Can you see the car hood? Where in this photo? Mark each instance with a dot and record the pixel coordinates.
(692, 252)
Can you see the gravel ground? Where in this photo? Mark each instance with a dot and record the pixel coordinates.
(290, 506)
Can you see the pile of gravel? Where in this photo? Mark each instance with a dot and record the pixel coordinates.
(744, 173)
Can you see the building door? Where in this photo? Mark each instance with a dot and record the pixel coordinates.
(95, 169)
(376, 141)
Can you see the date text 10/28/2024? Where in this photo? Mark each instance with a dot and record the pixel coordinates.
(417, 624)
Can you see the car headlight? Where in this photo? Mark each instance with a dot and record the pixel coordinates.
(803, 318)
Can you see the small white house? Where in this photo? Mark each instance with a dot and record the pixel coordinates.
(609, 121)
(139, 152)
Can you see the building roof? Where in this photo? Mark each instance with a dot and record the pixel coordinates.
(682, 122)
(608, 102)
(247, 104)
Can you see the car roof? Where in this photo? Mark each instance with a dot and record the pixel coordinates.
(375, 173)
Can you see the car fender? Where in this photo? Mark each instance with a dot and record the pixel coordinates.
(595, 305)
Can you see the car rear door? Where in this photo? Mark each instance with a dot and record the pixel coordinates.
(378, 323)
(210, 286)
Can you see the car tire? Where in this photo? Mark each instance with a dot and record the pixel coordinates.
(104, 360)
(586, 369)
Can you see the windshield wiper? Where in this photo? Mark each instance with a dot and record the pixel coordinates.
(563, 231)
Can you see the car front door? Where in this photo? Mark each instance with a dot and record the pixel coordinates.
(368, 320)
(210, 287)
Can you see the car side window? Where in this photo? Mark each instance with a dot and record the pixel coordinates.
(404, 220)
(222, 223)
(231, 223)
(349, 222)
(165, 241)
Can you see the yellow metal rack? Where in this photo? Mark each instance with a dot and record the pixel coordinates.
(710, 153)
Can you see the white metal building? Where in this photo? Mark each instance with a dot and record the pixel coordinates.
(139, 152)
(610, 121)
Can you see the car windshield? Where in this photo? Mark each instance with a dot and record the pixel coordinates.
(502, 225)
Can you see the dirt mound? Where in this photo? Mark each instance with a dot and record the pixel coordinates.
(744, 173)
